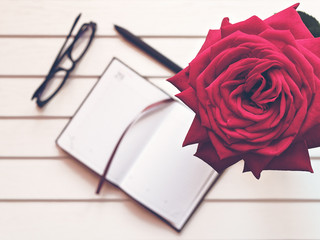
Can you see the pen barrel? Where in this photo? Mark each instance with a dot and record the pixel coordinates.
(158, 56)
(138, 42)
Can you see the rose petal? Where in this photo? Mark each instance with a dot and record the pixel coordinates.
(197, 66)
(222, 151)
(253, 25)
(225, 22)
(296, 157)
(312, 117)
(312, 44)
(313, 57)
(304, 69)
(208, 154)
(218, 57)
(279, 38)
(215, 125)
(276, 147)
(256, 163)
(312, 137)
(180, 80)
(190, 99)
(196, 133)
(289, 19)
(203, 114)
(212, 37)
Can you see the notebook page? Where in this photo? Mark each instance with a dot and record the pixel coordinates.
(115, 101)
(166, 177)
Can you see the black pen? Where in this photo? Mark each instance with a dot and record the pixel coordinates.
(148, 49)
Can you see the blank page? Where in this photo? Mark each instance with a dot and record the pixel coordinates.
(114, 102)
(166, 177)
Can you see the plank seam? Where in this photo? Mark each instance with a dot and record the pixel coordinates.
(35, 117)
(262, 200)
(102, 36)
(74, 76)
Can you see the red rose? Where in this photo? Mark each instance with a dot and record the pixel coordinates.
(254, 87)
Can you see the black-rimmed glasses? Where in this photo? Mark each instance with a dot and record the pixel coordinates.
(79, 46)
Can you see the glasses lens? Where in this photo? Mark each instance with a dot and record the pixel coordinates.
(53, 85)
(82, 42)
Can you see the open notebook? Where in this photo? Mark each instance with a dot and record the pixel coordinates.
(150, 165)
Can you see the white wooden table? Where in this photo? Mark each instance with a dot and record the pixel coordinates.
(44, 194)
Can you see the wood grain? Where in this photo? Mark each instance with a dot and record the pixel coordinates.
(68, 180)
(155, 18)
(42, 51)
(127, 220)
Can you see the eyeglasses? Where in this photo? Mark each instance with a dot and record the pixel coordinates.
(79, 46)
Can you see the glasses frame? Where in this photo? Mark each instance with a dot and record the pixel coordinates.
(61, 55)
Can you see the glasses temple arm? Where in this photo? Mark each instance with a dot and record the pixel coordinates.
(58, 58)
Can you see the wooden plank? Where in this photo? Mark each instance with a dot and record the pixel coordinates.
(51, 179)
(30, 137)
(162, 17)
(235, 184)
(127, 220)
(66, 179)
(18, 92)
(34, 56)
